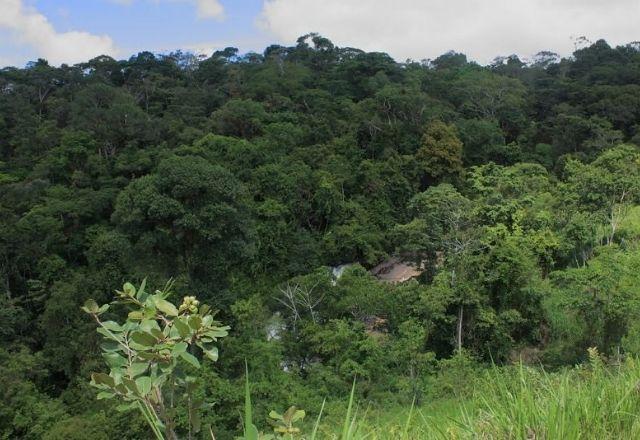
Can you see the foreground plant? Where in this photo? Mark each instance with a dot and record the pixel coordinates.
(283, 424)
(152, 351)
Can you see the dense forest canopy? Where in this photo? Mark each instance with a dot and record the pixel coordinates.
(246, 178)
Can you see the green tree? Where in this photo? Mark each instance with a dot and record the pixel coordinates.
(189, 209)
(239, 117)
(603, 296)
(440, 155)
(610, 185)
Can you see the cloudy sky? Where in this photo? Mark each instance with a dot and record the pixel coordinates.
(69, 31)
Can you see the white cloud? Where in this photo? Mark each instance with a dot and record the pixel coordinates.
(482, 29)
(204, 8)
(31, 28)
(209, 9)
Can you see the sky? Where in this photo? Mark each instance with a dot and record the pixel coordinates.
(71, 31)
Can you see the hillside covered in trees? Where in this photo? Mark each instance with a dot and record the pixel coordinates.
(269, 185)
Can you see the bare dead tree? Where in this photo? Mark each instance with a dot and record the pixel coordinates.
(300, 300)
(288, 300)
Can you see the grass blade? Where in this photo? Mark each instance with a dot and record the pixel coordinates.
(346, 428)
(405, 433)
(250, 431)
(317, 424)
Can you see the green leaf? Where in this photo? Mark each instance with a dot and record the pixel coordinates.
(103, 379)
(183, 329)
(166, 307)
(275, 416)
(131, 385)
(90, 306)
(135, 315)
(149, 324)
(150, 308)
(195, 322)
(180, 347)
(190, 359)
(129, 289)
(298, 415)
(126, 407)
(144, 385)
(217, 332)
(147, 356)
(114, 360)
(138, 368)
(288, 415)
(144, 338)
(107, 334)
(112, 326)
(110, 346)
(105, 395)
(141, 291)
(156, 333)
(211, 353)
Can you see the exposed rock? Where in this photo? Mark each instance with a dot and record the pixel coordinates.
(395, 270)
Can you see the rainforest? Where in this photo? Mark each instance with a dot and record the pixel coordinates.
(419, 249)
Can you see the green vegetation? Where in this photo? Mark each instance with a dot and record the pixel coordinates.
(522, 402)
(145, 354)
(283, 190)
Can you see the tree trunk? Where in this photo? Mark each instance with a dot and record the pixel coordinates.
(459, 329)
(460, 316)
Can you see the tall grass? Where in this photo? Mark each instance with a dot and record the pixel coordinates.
(594, 401)
(587, 402)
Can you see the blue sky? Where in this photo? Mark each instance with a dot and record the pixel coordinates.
(155, 25)
(70, 31)
(137, 25)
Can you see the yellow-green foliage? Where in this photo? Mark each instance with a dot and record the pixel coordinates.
(520, 402)
(630, 225)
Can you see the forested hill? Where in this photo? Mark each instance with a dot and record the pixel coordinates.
(246, 177)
